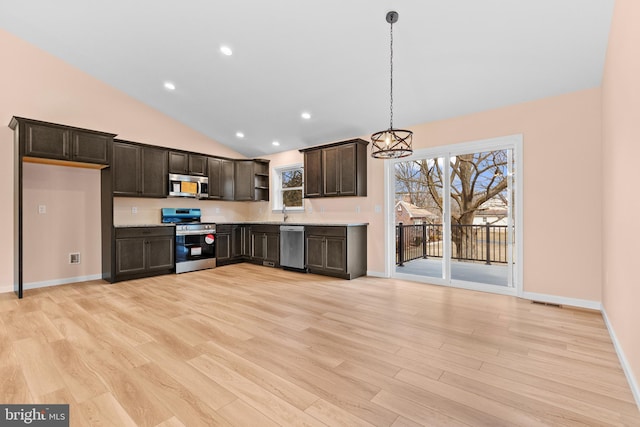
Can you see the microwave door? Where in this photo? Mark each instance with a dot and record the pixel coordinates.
(190, 188)
(203, 191)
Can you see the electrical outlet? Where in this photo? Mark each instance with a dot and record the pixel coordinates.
(378, 209)
(74, 258)
(42, 209)
(134, 210)
(358, 209)
(217, 210)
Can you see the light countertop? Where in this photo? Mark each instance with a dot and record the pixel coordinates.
(143, 225)
(308, 224)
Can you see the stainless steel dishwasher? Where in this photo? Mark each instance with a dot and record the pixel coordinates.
(292, 247)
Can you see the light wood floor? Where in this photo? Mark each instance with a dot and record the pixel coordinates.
(253, 346)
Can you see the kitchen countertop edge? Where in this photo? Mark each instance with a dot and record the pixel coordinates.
(308, 224)
(142, 225)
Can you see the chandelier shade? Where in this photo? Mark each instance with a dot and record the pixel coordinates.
(391, 143)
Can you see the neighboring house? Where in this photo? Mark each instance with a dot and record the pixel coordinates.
(408, 213)
(493, 211)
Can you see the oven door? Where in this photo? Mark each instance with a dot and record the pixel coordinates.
(192, 247)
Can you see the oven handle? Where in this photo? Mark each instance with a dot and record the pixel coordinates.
(195, 233)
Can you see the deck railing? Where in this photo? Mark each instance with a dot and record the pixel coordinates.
(487, 243)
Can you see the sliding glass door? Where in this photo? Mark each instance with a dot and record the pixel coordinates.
(455, 215)
(420, 217)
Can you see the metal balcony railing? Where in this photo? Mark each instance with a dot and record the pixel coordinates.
(486, 243)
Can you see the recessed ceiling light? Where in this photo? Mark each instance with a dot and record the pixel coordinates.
(240, 134)
(276, 143)
(169, 86)
(305, 115)
(226, 50)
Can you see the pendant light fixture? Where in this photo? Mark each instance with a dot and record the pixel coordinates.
(391, 143)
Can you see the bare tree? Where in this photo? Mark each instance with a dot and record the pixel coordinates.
(474, 179)
(412, 184)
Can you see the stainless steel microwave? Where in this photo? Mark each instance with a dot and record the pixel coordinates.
(188, 186)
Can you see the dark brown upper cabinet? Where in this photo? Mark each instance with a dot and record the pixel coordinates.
(220, 178)
(44, 142)
(313, 173)
(336, 170)
(243, 180)
(139, 170)
(187, 163)
(261, 180)
(251, 180)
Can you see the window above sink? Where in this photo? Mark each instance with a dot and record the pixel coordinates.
(288, 187)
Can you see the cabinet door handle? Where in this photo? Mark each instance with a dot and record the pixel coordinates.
(74, 147)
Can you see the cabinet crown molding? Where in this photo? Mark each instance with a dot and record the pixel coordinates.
(335, 144)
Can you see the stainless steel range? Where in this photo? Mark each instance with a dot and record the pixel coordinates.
(195, 240)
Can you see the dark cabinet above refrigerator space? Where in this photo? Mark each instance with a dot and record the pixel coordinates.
(51, 143)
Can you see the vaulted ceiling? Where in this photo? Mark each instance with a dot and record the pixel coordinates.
(328, 58)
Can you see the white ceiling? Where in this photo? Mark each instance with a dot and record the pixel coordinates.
(327, 57)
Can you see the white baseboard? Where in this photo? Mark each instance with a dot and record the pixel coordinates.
(628, 372)
(554, 299)
(65, 281)
(459, 284)
(376, 274)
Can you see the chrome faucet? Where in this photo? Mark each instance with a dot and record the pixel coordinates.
(284, 212)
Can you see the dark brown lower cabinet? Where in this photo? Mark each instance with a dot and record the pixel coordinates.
(144, 251)
(339, 251)
(240, 241)
(265, 245)
(327, 253)
(223, 247)
(233, 243)
(332, 250)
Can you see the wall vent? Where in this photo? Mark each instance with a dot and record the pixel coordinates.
(550, 304)
(74, 258)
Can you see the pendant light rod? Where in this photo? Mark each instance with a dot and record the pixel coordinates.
(392, 18)
(391, 143)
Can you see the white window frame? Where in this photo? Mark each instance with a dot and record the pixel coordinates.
(512, 142)
(277, 187)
